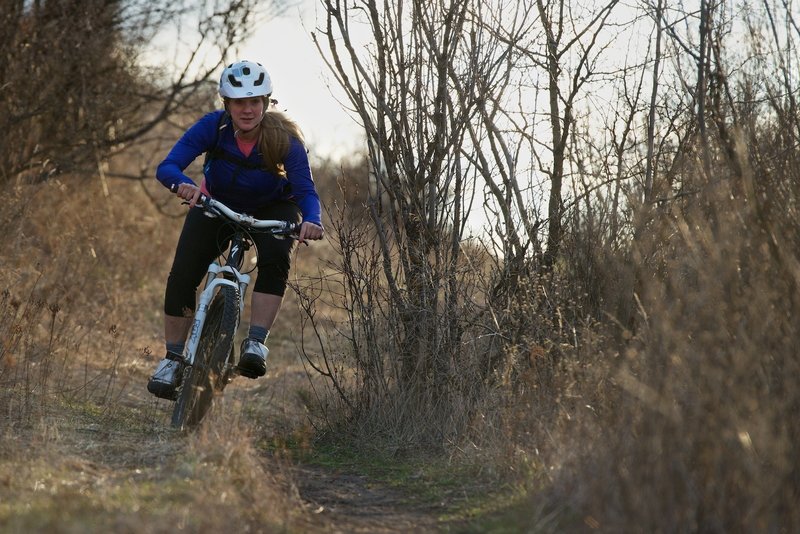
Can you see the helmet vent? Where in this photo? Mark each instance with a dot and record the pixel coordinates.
(260, 80)
(234, 81)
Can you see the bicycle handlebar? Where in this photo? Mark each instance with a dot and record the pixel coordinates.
(209, 204)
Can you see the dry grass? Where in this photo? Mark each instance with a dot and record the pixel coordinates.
(92, 475)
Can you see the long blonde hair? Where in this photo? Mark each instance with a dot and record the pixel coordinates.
(275, 138)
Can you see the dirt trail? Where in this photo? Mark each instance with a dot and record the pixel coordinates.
(337, 500)
(334, 500)
(350, 503)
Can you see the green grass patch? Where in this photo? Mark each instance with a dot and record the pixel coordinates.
(461, 492)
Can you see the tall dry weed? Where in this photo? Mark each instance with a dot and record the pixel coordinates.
(686, 423)
(78, 271)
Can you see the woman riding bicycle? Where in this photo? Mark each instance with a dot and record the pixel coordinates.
(256, 163)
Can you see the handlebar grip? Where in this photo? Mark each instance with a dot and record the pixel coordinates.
(201, 200)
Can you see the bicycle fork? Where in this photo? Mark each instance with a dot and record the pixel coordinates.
(214, 280)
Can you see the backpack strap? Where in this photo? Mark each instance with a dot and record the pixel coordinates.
(221, 124)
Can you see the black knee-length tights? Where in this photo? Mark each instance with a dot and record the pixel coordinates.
(202, 239)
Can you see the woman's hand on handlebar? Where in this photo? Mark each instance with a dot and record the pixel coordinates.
(188, 192)
(310, 231)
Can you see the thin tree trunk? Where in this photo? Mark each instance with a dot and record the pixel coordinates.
(700, 92)
(554, 206)
(651, 120)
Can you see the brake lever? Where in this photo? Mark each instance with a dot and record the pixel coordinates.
(282, 234)
(294, 236)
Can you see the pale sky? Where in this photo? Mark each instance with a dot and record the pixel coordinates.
(302, 83)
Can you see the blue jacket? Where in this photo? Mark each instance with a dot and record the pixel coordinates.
(240, 188)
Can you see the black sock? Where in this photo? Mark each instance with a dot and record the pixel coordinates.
(176, 348)
(258, 333)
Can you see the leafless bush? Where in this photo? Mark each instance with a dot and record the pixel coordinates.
(361, 349)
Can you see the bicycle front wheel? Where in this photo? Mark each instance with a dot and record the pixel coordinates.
(207, 376)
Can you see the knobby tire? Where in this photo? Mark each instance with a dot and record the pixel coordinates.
(208, 376)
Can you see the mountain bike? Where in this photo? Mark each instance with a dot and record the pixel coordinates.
(208, 359)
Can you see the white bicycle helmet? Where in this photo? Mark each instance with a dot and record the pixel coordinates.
(245, 79)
